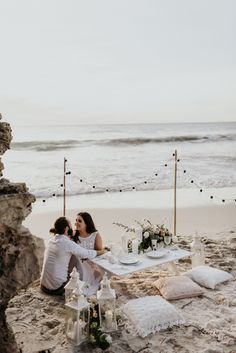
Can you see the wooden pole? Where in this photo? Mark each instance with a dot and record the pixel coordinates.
(175, 185)
(64, 188)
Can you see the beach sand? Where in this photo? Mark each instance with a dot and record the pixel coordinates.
(195, 212)
(210, 320)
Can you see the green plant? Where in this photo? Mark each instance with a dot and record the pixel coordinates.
(97, 337)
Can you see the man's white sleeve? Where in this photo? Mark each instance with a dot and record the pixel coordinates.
(79, 251)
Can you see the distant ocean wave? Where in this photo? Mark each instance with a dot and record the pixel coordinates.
(54, 145)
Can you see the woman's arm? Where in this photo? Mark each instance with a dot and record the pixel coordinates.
(98, 242)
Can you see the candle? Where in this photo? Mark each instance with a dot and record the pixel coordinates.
(138, 233)
(108, 318)
(124, 242)
(70, 332)
(135, 244)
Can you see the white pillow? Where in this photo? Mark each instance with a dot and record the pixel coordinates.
(178, 287)
(208, 276)
(151, 314)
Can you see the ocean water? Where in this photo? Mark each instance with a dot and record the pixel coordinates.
(122, 157)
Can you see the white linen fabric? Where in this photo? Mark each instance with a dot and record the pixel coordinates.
(56, 260)
(178, 287)
(208, 276)
(91, 273)
(151, 314)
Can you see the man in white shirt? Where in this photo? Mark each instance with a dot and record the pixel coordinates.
(57, 257)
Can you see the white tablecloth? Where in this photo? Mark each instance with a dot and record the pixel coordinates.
(144, 262)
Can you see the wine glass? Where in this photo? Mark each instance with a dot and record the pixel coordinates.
(167, 239)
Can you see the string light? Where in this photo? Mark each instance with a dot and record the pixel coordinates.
(132, 187)
(201, 190)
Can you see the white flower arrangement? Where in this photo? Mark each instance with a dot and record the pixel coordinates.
(151, 234)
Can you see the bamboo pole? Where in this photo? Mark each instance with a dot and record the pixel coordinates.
(64, 188)
(175, 185)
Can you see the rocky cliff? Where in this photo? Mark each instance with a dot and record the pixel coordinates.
(20, 251)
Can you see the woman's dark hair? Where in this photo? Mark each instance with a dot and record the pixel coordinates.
(60, 225)
(90, 227)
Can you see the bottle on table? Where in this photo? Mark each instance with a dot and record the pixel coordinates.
(198, 250)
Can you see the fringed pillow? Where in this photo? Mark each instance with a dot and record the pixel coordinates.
(151, 314)
(208, 276)
(178, 287)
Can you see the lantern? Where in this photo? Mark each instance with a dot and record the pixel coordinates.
(71, 285)
(197, 248)
(106, 297)
(77, 317)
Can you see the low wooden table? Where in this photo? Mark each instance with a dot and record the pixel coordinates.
(120, 269)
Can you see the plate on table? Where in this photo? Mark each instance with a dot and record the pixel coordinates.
(156, 254)
(129, 260)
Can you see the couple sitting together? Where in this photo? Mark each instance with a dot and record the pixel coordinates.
(70, 248)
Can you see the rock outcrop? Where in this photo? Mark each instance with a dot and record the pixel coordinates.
(5, 140)
(20, 251)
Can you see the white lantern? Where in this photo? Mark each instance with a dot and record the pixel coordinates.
(106, 305)
(77, 317)
(197, 248)
(72, 284)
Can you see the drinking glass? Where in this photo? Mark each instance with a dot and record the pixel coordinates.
(167, 239)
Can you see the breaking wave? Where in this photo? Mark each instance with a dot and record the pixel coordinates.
(54, 145)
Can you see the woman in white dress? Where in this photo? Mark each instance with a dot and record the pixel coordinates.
(88, 237)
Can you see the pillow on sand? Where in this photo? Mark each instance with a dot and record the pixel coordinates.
(207, 276)
(178, 287)
(151, 314)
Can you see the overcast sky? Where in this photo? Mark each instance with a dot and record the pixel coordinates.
(73, 61)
